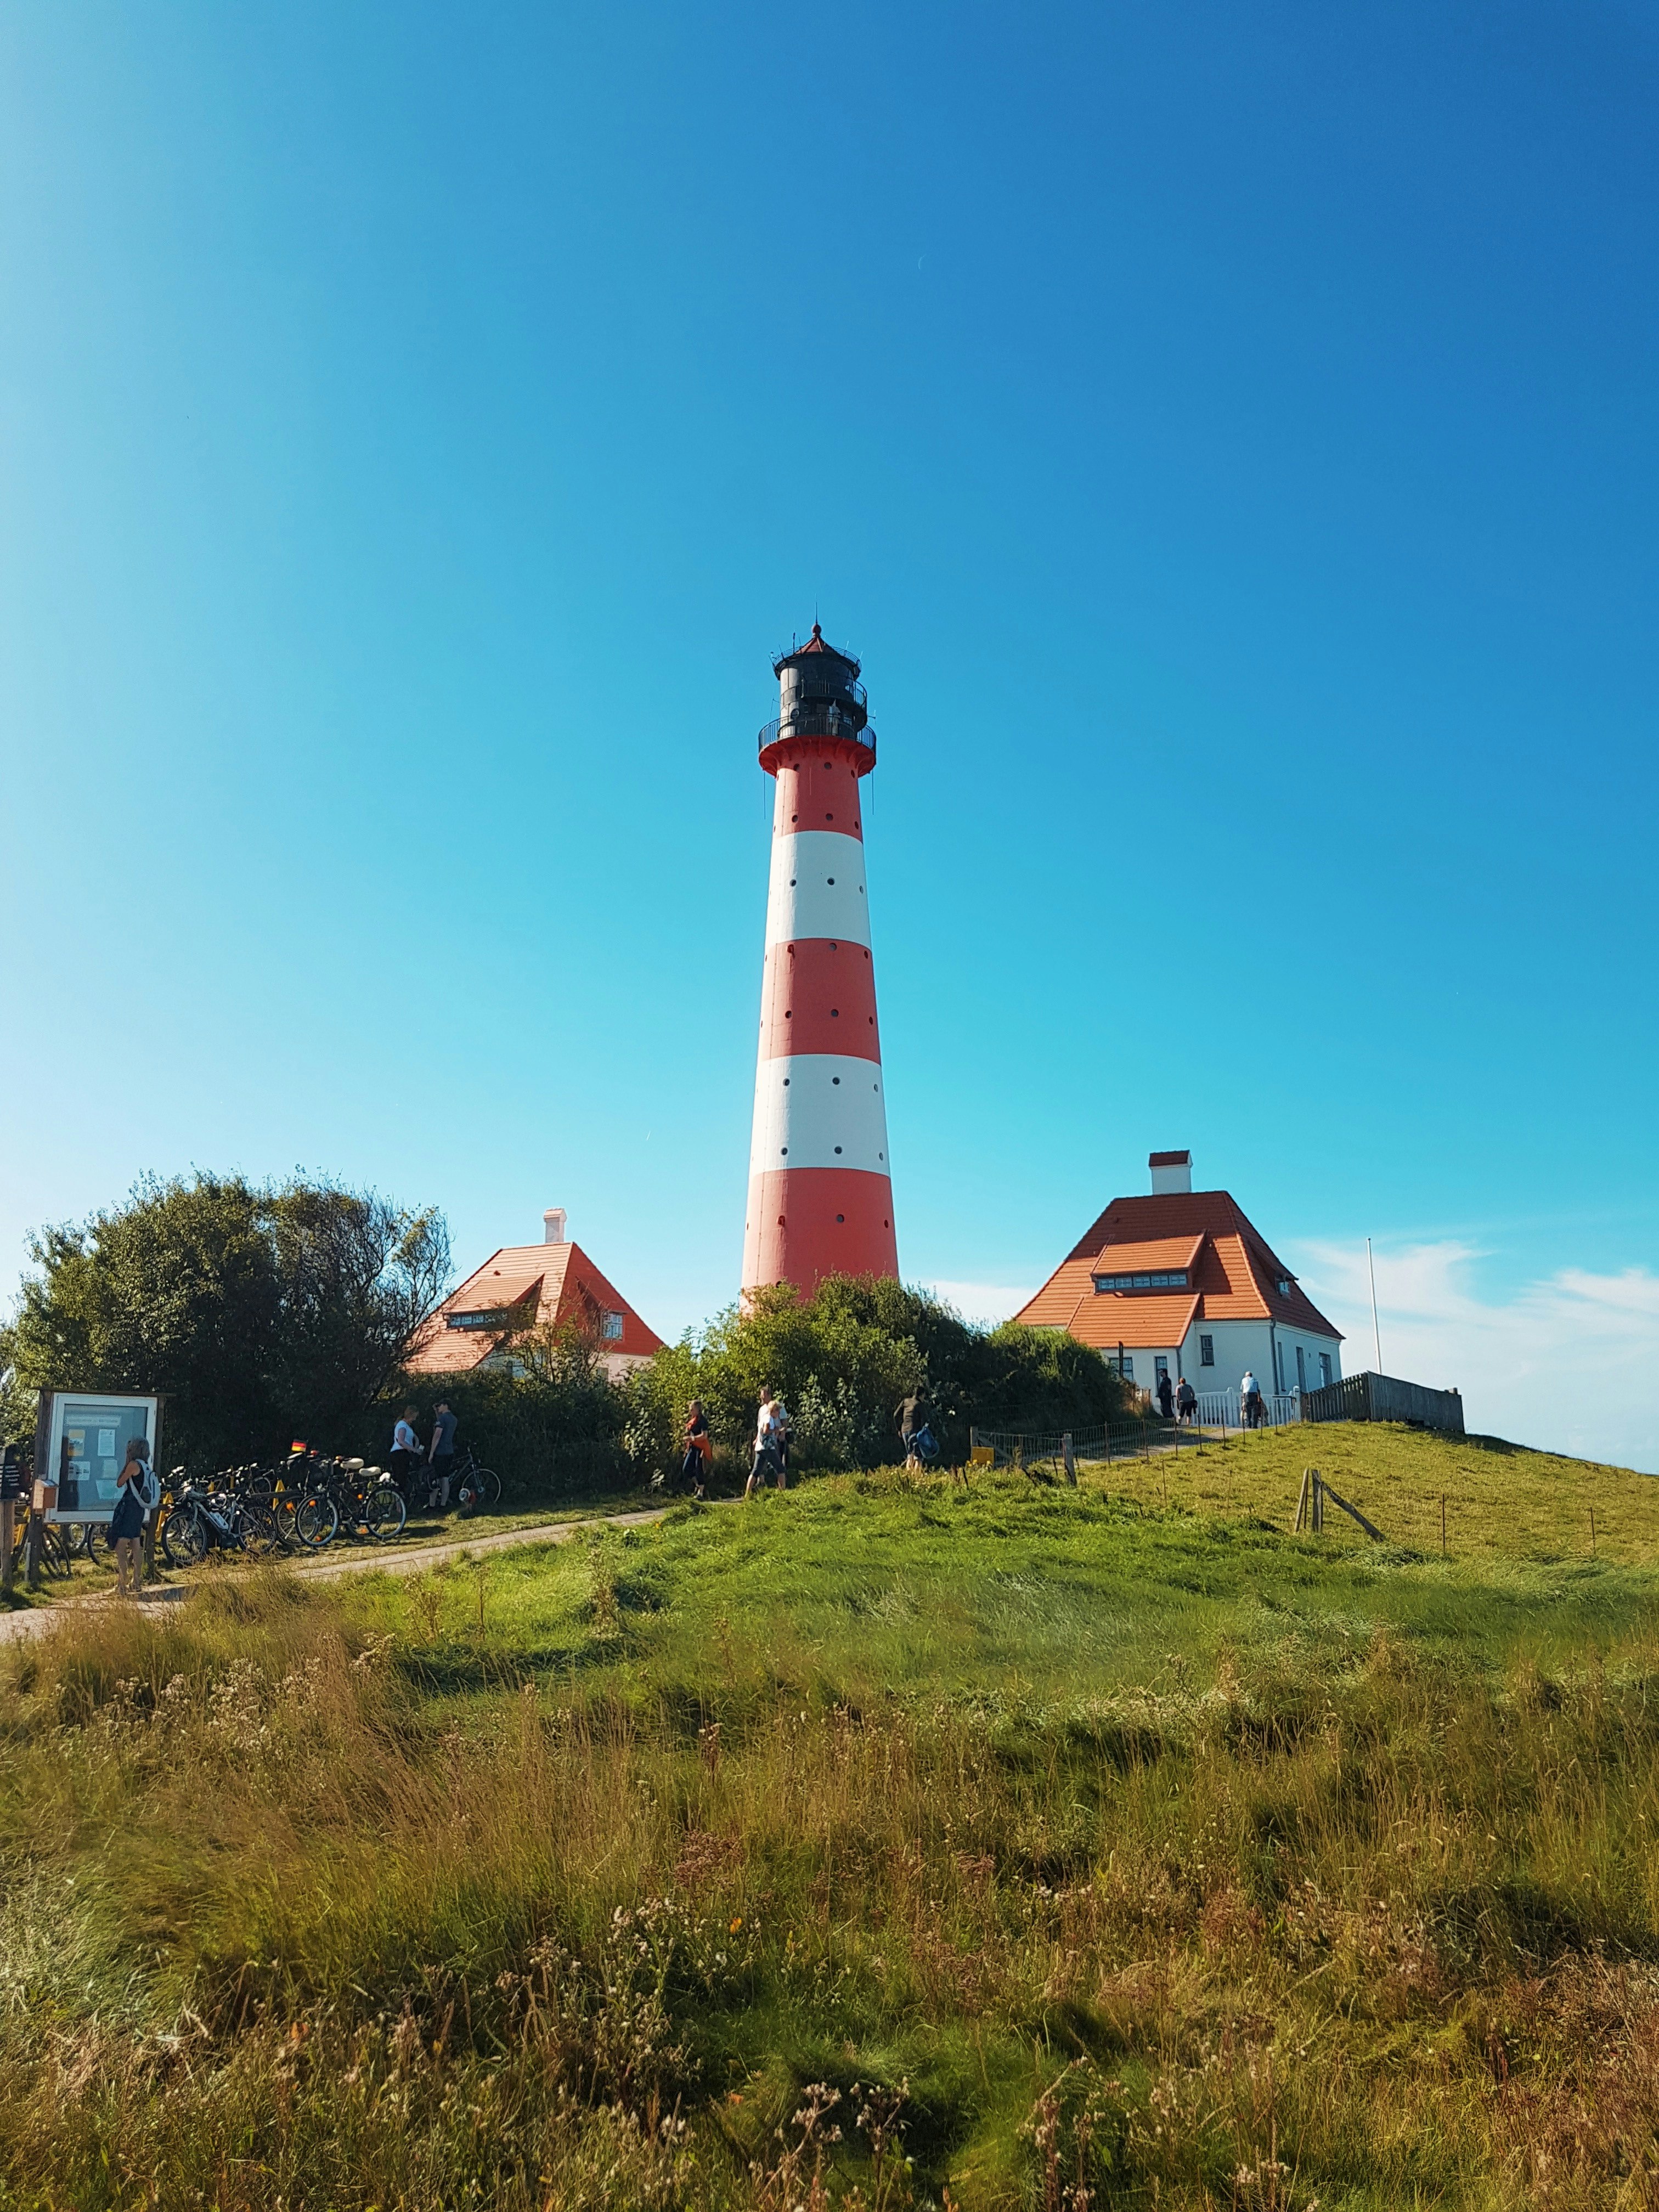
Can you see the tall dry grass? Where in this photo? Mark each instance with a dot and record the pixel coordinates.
(284, 1928)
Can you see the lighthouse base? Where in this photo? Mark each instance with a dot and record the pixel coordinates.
(806, 1223)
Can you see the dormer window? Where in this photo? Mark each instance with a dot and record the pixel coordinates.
(1174, 1278)
(1284, 1286)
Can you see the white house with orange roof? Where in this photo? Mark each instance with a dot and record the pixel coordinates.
(553, 1285)
(1182, 1283)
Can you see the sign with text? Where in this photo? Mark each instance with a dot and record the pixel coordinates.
(82, 1446)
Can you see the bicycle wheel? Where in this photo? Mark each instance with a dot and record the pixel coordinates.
(256, 1526)
(184, 1538)
(316, 1520)
(489, 1485)
(95, 1543)
(384, 1512)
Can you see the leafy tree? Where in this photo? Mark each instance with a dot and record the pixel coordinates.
(844, 1358)
(262, 1311)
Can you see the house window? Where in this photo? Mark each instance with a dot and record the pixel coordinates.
(1324, 1368)
(1301, 1370)
(1206, 1351)
(1125, 1364)
(1284, 1286)
(1171, 1280)
(611, 1328)
(1279, 1365)
(1160, 1368)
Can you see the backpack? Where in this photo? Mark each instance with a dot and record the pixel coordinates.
(147, 1490)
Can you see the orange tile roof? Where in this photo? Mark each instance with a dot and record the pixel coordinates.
(572, 1291)
(1161, 1253)
(493, 1292)
(1060, 1298)
(1235, 1272)
(1106, 1319)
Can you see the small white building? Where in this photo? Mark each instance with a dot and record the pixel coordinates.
(1180, 1283)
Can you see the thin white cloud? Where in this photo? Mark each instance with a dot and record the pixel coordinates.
(987, 1304)
(1570, 1363)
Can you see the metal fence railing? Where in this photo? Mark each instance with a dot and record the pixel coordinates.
(1221, 1409)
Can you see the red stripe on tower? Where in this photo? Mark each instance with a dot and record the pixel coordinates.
(820, 1188)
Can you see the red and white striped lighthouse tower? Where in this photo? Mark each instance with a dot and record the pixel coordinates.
(820, 1187)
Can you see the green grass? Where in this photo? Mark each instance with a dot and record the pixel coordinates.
(1061, 1841)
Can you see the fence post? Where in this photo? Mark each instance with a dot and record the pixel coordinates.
(1065, 1455)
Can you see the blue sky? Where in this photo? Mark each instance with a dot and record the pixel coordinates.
(1229, 437)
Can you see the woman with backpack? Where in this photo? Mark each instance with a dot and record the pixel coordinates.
(699, 1446)
(137, 1488)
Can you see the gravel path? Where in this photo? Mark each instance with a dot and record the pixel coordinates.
(15, 1627)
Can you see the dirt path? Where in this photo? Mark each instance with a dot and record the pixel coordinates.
(15, 1627)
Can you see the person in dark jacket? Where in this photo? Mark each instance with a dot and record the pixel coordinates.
(699, 1446)
(126, 1527)
(1166, 1396)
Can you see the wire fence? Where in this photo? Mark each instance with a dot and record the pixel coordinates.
(1091, 1447)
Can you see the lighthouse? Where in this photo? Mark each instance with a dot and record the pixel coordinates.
(820, 1182)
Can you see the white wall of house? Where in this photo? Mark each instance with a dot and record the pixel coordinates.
(1237, 1344)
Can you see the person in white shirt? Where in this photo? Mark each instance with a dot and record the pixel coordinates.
(766, 1454)
(1249, 1399)
(405, 1449)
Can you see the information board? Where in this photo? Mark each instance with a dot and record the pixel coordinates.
(82, 1446)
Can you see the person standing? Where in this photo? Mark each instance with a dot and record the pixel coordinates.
(441, 1453)
(138, 1496)
(1186, 1402)
(694, 1467)
(781, 1441)
(1165, 1394)
(765, 1445)
(405, 1451)
(1249, 1399)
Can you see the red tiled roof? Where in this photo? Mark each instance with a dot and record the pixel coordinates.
(1162, 1253)
(1106, 1319)
(572, 1291)
(1235, 1272)
(492, 1292)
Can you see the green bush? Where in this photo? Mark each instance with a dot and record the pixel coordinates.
(259, 1312)
(842, 1360)
(550, 1423)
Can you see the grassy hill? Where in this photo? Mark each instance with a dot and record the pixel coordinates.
(890, 1842)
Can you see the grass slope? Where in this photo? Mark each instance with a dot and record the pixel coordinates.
(1056, 1848)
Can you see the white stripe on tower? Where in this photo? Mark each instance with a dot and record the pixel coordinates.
(820, 1191)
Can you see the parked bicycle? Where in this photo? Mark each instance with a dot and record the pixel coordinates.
(475, 1488)
(202, 1521)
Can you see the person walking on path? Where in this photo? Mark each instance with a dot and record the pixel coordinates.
(405, 1451)
(441, 1453)
(1166, 1396)
(1249, 1398)
(766, 1457)
(1186, 1403)
(694, 1467)
(911, 1416)
(137, 1485)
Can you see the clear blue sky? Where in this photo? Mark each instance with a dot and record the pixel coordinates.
(1229, 436)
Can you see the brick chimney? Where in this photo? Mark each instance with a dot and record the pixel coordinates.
(553, 1225)
(1171, 1172)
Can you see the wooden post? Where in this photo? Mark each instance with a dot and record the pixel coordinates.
(1592, 1532)
(32, 1550)
(8, 1539)
(1442, 1524)
(1301, 1498)
(1065, 1455)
